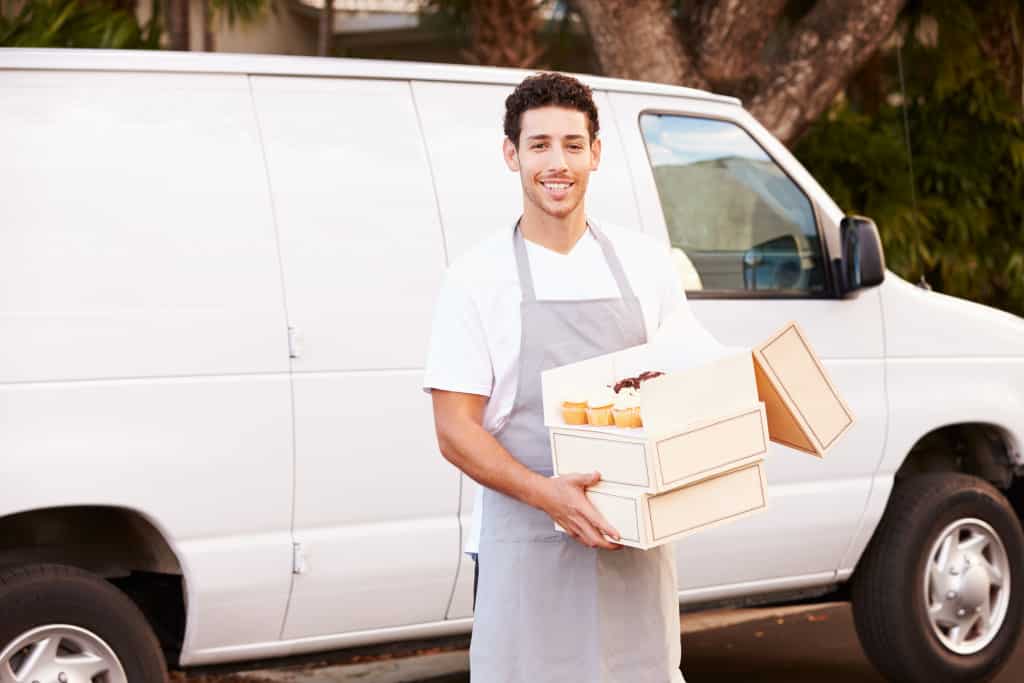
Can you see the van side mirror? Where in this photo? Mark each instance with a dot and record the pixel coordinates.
(863, 262)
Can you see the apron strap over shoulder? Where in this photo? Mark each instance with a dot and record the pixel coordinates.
(523, 265)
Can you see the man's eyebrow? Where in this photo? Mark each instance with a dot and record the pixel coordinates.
(545, 136)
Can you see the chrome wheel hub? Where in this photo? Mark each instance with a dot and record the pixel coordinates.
(967, 586)
(60, 654)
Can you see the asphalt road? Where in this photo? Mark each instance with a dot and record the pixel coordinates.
(812, 645)
(815, 646)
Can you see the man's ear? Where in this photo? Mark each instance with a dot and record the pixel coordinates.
(511, 155)
(595, 154)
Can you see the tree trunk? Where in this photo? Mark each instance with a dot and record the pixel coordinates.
(829, 45)
(208, 42)
(1003, 43)
(727, 38)
(638, 40)
(178, 27)
(504, 33)
(326, 35)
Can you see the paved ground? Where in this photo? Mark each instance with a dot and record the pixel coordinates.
(794, 645)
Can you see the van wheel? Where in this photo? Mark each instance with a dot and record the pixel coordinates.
(938, 593)
(62, 620)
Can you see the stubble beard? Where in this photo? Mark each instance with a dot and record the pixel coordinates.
(561, 210)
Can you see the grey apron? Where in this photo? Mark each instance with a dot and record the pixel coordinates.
(550, 609)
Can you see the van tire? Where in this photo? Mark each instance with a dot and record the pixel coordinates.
(889, 584)
(51, 595)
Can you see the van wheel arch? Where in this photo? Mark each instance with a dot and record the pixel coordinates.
(987, 451)
(117, 544)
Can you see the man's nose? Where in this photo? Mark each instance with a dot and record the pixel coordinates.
(556, 160)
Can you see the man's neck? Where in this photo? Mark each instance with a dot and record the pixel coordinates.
(551, 232)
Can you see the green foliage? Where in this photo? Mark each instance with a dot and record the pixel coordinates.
(566, 44)
(243, 11)
(77, 23)
(963, 228)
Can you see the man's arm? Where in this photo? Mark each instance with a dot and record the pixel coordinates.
(458, 420)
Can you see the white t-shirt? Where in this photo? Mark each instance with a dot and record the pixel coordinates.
(474, 343)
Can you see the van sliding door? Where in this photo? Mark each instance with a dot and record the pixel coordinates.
(375, 503)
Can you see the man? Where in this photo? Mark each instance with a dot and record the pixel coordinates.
(555, 288)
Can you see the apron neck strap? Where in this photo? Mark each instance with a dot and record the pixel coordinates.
(610, 257)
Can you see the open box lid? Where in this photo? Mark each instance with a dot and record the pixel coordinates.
(708, 391)
(805, 411)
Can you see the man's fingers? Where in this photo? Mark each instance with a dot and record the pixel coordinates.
(582, 479)
(591, 535)
(583, 521)
(598, 520)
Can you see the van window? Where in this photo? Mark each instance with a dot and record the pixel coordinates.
(731, 212)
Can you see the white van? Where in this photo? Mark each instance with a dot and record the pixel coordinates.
(217, 274)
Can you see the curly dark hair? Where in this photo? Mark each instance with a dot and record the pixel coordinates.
(544, 90)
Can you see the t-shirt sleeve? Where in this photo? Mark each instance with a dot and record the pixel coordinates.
(458, 358)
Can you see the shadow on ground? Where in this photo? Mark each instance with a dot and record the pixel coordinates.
(809, 647)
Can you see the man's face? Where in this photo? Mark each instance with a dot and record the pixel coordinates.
(554, 159)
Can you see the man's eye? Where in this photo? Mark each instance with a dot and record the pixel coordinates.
(537, 145)
(576, 148)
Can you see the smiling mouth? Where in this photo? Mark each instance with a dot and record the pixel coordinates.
(557, 190)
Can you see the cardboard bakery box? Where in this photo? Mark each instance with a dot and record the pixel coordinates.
(646, 520)
(697, 422)
(805, 410)
(659, 462)
(705, 383)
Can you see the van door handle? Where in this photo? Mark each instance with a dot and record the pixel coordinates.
(295, 342)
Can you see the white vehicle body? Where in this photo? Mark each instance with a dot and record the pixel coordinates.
(216, 280)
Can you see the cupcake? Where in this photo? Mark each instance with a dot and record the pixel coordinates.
(574, 410)
(599, 407)
(626, 409)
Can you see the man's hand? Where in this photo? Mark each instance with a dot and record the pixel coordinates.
(566, 503)
(466, 444)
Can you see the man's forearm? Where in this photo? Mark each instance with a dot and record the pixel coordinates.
(472, 449)
(465, 443)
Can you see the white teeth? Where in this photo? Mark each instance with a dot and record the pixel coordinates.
(557, 186)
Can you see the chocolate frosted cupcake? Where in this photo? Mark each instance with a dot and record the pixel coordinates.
(626, 410)
(634, 382)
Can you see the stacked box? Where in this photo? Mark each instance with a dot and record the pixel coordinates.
(698, 460)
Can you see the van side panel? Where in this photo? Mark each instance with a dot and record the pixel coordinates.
(143, 349)
(375, 507)
(137, 233)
